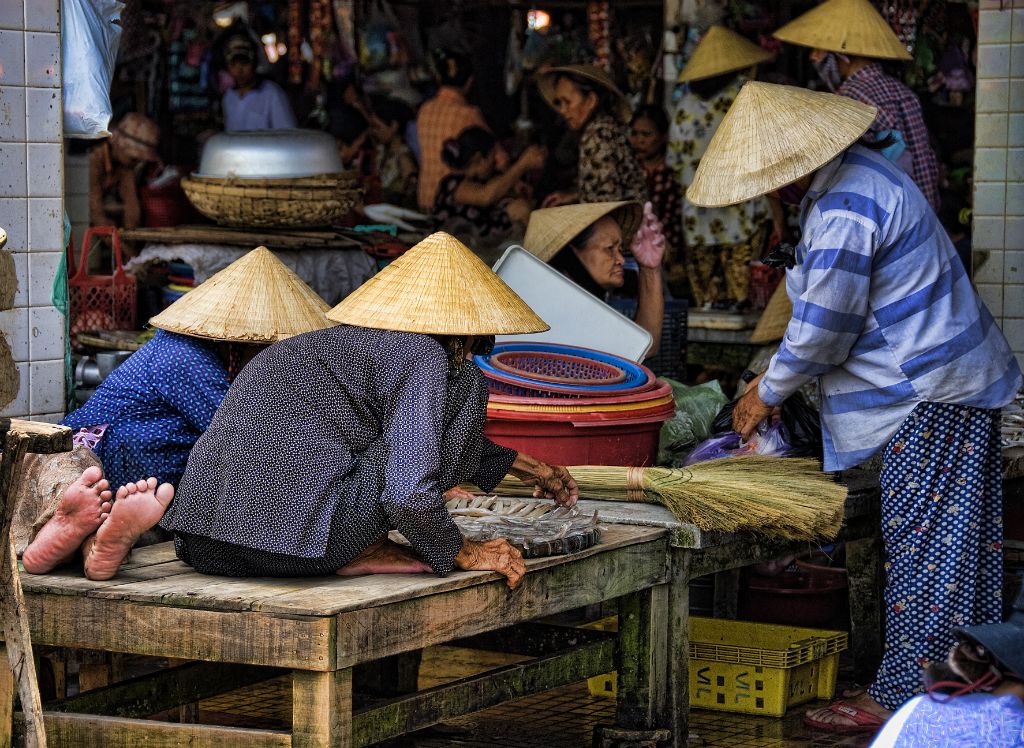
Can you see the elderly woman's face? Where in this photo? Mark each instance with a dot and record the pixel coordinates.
(574, 105)
(602, 254)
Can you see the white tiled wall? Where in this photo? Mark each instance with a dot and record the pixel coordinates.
(999, 165)
(31, 199)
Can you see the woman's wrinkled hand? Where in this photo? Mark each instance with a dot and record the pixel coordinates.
(649, 242)
(458, 493)
(492, 555)
(549, 481)
(750, 410)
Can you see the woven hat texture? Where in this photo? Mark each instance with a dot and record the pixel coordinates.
(550, 229)
(439, 287)
(546, 86)
(771, 136)
(851, 27)
(255, 299)
(775, 317)
(722, 51)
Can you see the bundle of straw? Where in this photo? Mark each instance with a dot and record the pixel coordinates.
(788, 498)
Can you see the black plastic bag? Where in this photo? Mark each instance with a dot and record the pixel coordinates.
(802, 421)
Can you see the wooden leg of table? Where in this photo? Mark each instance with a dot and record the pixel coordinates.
(642, 665)
(865, 574)
(727, 593)
(397, 675)
(6, 698)
(322, 709)
(93, 675)
(677, 714)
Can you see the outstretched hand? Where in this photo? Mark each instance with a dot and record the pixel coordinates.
(549, 481)
(492, 555)
(649, 242)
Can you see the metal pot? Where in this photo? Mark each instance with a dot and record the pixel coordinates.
(270, 154)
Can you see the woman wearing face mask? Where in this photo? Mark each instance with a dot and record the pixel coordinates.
(591, 105)
(474, 193)
(848, 38)
(649, 138)
(720, 242)
(587, 243)
(910, 362)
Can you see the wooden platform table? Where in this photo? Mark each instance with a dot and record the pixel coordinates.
(694, 553)
(238, 631)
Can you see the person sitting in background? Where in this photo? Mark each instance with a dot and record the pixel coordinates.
(975, 698)
(144, 419)
(649, 138)
(253, 103)
(396, 164)
(444, 117)
(474, 193)
(351, 131)
(587, 242)
(116, 168)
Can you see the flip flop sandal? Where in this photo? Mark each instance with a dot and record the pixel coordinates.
(864, 721)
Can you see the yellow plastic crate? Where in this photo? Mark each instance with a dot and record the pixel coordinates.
(751, 668)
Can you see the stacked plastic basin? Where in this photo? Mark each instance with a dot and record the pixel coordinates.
(574, 406)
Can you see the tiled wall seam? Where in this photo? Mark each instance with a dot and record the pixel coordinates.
(31, 199)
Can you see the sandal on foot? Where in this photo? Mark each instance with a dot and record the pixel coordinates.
(864, 721)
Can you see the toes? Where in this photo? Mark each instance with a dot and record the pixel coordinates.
(165, 493)
(105, 506)
(123, 491)
(105, 495)
(102, 485)
(151, 483)
(142, 485)
(91, 474)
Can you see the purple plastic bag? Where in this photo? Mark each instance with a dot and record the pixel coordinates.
(769, 441)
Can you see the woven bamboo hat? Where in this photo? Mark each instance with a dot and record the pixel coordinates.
(439, 287)
(722, 51)
(771, 136)
(850, 27)
(550, 229)
(255, 299)
(546, 86)
(775, 317)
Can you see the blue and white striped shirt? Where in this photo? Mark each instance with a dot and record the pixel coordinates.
(883, 311)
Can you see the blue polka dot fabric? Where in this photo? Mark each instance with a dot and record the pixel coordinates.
(156, 405)
(942, 506)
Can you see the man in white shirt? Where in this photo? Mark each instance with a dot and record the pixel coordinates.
(254, 103)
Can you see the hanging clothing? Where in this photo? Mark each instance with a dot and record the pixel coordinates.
(487, 221)
(154, 407)
(883, 311)
(942, 505)
(263, 107)
(898, 109)
(357, 432)
(608, 168)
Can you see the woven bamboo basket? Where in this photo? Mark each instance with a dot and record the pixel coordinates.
(271, 203)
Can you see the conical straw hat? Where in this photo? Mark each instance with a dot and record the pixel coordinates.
(546, 86)
(851, 27)
(438, 287)
(775, 317)
(722, 51)
(550, 229)
(255, 299)
(771, 136)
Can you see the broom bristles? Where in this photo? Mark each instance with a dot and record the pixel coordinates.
(789, 498)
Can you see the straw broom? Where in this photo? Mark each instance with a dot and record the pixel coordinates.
(788, 498)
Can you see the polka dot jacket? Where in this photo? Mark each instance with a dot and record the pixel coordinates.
(358, 424)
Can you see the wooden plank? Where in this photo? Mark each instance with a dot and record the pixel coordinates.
(865, 576)
(6, 699)
(150, 694)
(13, 616)
(343, 594)
(372, 633)
(322, 709)
(71, 581)
(642, 659)
(273, 239)
(43, 438)
(434, 705)
(676, 714)
(218, 636)
(532, 639)
(92, 731)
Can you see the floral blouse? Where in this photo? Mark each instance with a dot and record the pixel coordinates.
(693, 123)
(608, 168)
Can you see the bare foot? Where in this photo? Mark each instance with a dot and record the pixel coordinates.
(856, 714)
(83, 508)
(385, 557)
(137, 507)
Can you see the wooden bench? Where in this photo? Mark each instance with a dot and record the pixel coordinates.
(238, 631)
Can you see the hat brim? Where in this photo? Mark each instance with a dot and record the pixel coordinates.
(546, 88)
(548, 238)
(1004, 640)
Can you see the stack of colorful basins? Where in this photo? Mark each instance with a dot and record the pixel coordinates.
(574, 406)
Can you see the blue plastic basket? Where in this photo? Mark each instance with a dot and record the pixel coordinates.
(562, 370)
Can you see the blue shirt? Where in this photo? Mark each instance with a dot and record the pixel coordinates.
(977, 720)
(264, 107)
(157, 404)
(883, 312)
